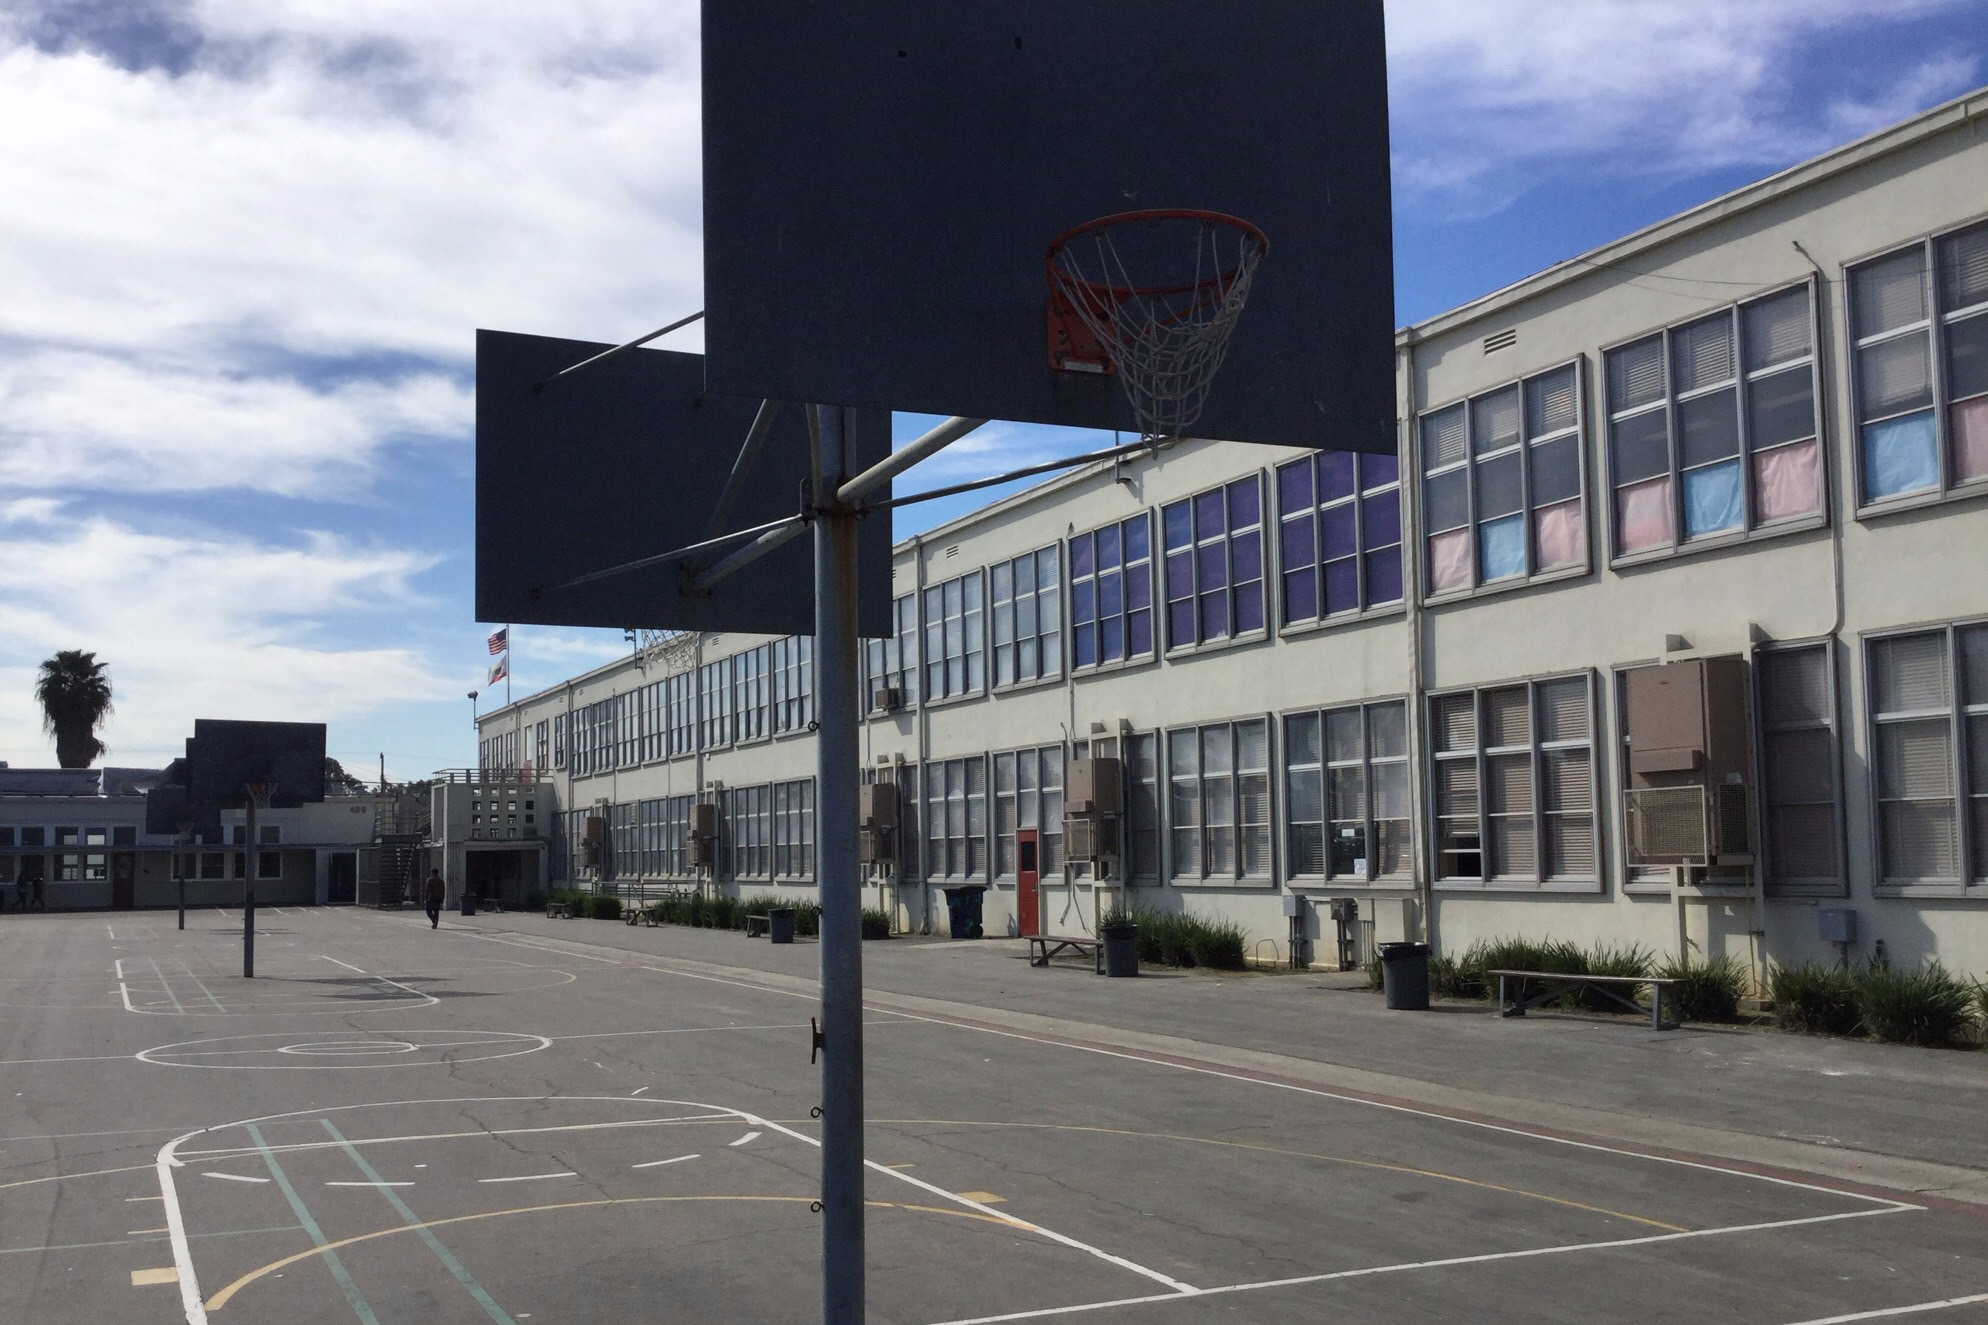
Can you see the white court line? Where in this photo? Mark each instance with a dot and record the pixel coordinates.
(347, 965)
(530, 1177)
(1002, 1215)
(1883, 1312)
(637, 1091)
(120, 968)
(1300, 1281)
(189, 1283)
(541, 947)
(381, 1183)
(234, 1177)
(658, 1163)
(747, 1139)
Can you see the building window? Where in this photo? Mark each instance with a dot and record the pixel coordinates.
(1219, 800)
(1929, 701)
(1142, 810)
(748, 816)
(1025, 599)
(1214, 550)
(749, 697)
(1028, 793)
(213, 865)
(1502, 491)
(1919, 322)
(893, 663)
(680, 697)
(954, 661)
(1339, 528)
(1346, 793)
(794, 829)
(714, 692)
(559, 740)
(1800, 808)
(124, 835)
(956, 819)
(793, 683)
(1713, 425)
(1513, 785)
(1111, 593)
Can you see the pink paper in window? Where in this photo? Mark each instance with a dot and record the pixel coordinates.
(1643, 515)
(1562, 532)
(1449, 561)
(1784, 481)
(1969, 423)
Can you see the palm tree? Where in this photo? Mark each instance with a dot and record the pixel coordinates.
(73, 689)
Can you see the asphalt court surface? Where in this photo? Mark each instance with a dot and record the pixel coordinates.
(393, 1124)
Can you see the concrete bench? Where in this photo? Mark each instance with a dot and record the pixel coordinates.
(1557, 983)
(1044, 946)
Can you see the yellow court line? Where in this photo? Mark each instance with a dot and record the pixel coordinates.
(64, 1177)
(1299, 1154)
(221, 1298)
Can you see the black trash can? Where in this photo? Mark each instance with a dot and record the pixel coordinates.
(1405, 976)
(963, 912)
(1121, 948)
(780, 924)
(468, 902)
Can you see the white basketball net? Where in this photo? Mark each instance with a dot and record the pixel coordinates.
(665, 651)
(1162, 294)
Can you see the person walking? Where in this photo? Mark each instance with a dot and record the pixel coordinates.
(432, 893)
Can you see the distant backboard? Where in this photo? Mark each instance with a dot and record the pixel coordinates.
(224, 757)
(169, 808)
(881, 181)
(625, 460)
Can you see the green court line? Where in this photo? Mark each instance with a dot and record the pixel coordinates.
(442, 1254)
(353, 1296)
(167, 985)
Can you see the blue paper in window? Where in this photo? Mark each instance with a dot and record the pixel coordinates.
(1712, 499)
(1901, 455)
(1501, 545)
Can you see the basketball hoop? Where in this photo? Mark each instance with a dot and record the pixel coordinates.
(1164, 332)
(669, 651)
(262, 793)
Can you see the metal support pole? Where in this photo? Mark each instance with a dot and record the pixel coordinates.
(248, 894)
(836, 683)
(180, 839)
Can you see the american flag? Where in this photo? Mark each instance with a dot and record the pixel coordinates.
(500, 641)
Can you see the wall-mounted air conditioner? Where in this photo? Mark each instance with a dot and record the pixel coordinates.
(886, 699)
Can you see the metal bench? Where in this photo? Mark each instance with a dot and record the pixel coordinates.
(558, 910)
(1557, 983)
(757, 925)
(1044, 946)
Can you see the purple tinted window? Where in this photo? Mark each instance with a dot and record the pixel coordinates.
(1248, 557)
(1383, 518)
(1212, 565)
(1080, 555)
(1384, 576)
(1111, 597)
(1335, 475)
(1083, 601)
(1339, 534)
(1107, 547)
(1136, 538)
(1245, 503)
(1301, 595)
(1342, 586)
(1141, 625)
(1299, 549)
(1207, 516)
(1180, 623)
(1249, 608)
(1139, 586)
(1215, 614)
(1086, 645)
(1376, 470)
(1178, 520)
(1294, 487)
(1180, 575)
(1113, 637)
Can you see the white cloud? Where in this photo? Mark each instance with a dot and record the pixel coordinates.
(1487, 93)
(197, 626)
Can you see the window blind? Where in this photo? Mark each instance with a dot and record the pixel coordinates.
(1964, 269)
(1777, 329)
(1890, 294)
(1550, 403)
(1702, 353)
(1636, 374)
(1911, 673)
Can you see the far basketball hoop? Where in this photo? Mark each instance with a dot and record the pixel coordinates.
(1152, 296)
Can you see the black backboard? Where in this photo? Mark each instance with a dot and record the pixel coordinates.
(881, 181)
(224, 756)
(626, 460)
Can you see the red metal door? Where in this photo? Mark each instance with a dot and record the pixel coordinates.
(1027, 897)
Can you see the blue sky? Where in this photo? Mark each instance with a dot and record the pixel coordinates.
(244, 245)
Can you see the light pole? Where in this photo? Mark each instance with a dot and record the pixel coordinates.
(472, 708)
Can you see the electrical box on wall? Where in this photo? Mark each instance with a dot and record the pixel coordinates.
(1092, 786)
(1689, 800)
(876, 805)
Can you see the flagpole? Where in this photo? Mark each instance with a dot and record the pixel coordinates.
(507, 664)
